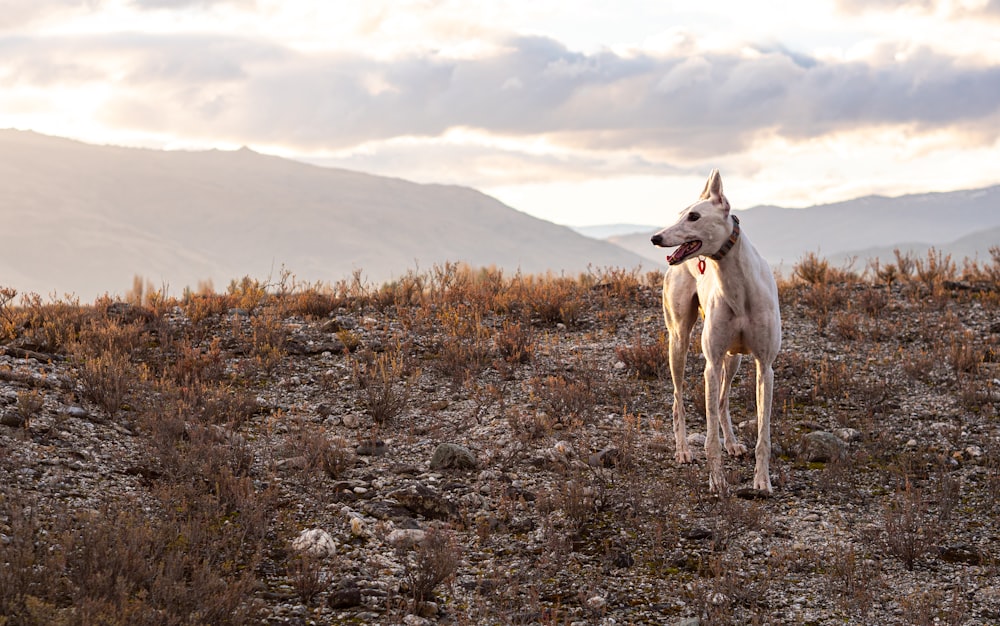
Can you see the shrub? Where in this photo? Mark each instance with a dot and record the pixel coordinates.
(385, 383)
(908, 531)
(435, 560)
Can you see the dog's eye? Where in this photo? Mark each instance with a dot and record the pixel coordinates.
(693, 217)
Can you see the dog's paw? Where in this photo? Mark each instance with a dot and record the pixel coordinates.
(735, 448)
(717, 483)
(683, 455)
(762, 483)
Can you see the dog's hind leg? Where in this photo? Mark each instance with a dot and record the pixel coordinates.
(765, 388)
(730, 442)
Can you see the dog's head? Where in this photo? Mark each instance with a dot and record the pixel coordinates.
(702, 228)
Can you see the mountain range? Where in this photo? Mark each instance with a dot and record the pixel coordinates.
(964, 224)
(85, 220)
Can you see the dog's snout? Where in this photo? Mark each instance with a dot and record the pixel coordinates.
(657, 239)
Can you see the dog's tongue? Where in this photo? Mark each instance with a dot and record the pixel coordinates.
(682, 251)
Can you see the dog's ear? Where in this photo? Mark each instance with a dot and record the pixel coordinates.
(713, 178)
(713, 191)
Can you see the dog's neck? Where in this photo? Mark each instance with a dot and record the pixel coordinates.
(733, 238)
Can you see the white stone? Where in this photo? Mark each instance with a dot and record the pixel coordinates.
(315, 541)
(597, 602)
(405, 537)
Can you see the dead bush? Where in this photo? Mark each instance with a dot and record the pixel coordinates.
(909, 532)
(434, 561)
(647, 360)
(384, 379)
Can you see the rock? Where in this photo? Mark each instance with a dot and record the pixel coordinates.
(358, 528)
(339, 323)
(12, 419)
(850, 435)
(453, 456)
(688, 621)
(564, 448)
(697, 440)
(316, 542)
(405, 538)
(969, 555)
(371, 448)
(821, 446)
(608, 457)
(344, 596)
(293, 463)
(597, 603)
(973, 452)
(78, 412)
(351, 420)
(425, 501)
(427, 609)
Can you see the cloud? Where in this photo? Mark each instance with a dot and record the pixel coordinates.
(184, 4)
(956, 9)
(669, 106)
(20, 13)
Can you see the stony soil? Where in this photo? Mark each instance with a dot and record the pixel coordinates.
(556, 498)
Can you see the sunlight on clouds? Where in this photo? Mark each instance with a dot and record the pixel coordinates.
(888, 161)
(631, 199)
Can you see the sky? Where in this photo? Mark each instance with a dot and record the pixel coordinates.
(577, 111)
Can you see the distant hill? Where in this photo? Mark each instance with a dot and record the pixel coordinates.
(86, 219)
(606, 231)
(961, 223)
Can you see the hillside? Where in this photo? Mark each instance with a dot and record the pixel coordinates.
(495, 449)
(961, 223)
(86, 219)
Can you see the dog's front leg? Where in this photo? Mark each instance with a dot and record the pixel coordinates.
(678, 358)
(713, 447)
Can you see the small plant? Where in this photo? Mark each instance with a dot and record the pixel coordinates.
(29, 403)
(385, 382)
(565, 398)
(435, 560)
(107, 380)
(852, 578)
(8, 321)
(647, 360)
(515, 342)
(908, 531)
(964, 354)
(812, 269)
(937, 268)
(305, 572)
(832, 380)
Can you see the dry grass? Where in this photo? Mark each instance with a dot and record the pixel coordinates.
(211, 397)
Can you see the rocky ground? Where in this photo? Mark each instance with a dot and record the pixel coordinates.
(468, 448)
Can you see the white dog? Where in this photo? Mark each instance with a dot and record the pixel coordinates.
(717, 269)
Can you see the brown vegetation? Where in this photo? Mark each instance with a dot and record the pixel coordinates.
(160, 455)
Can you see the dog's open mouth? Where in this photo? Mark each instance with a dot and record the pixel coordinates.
(684, 251)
